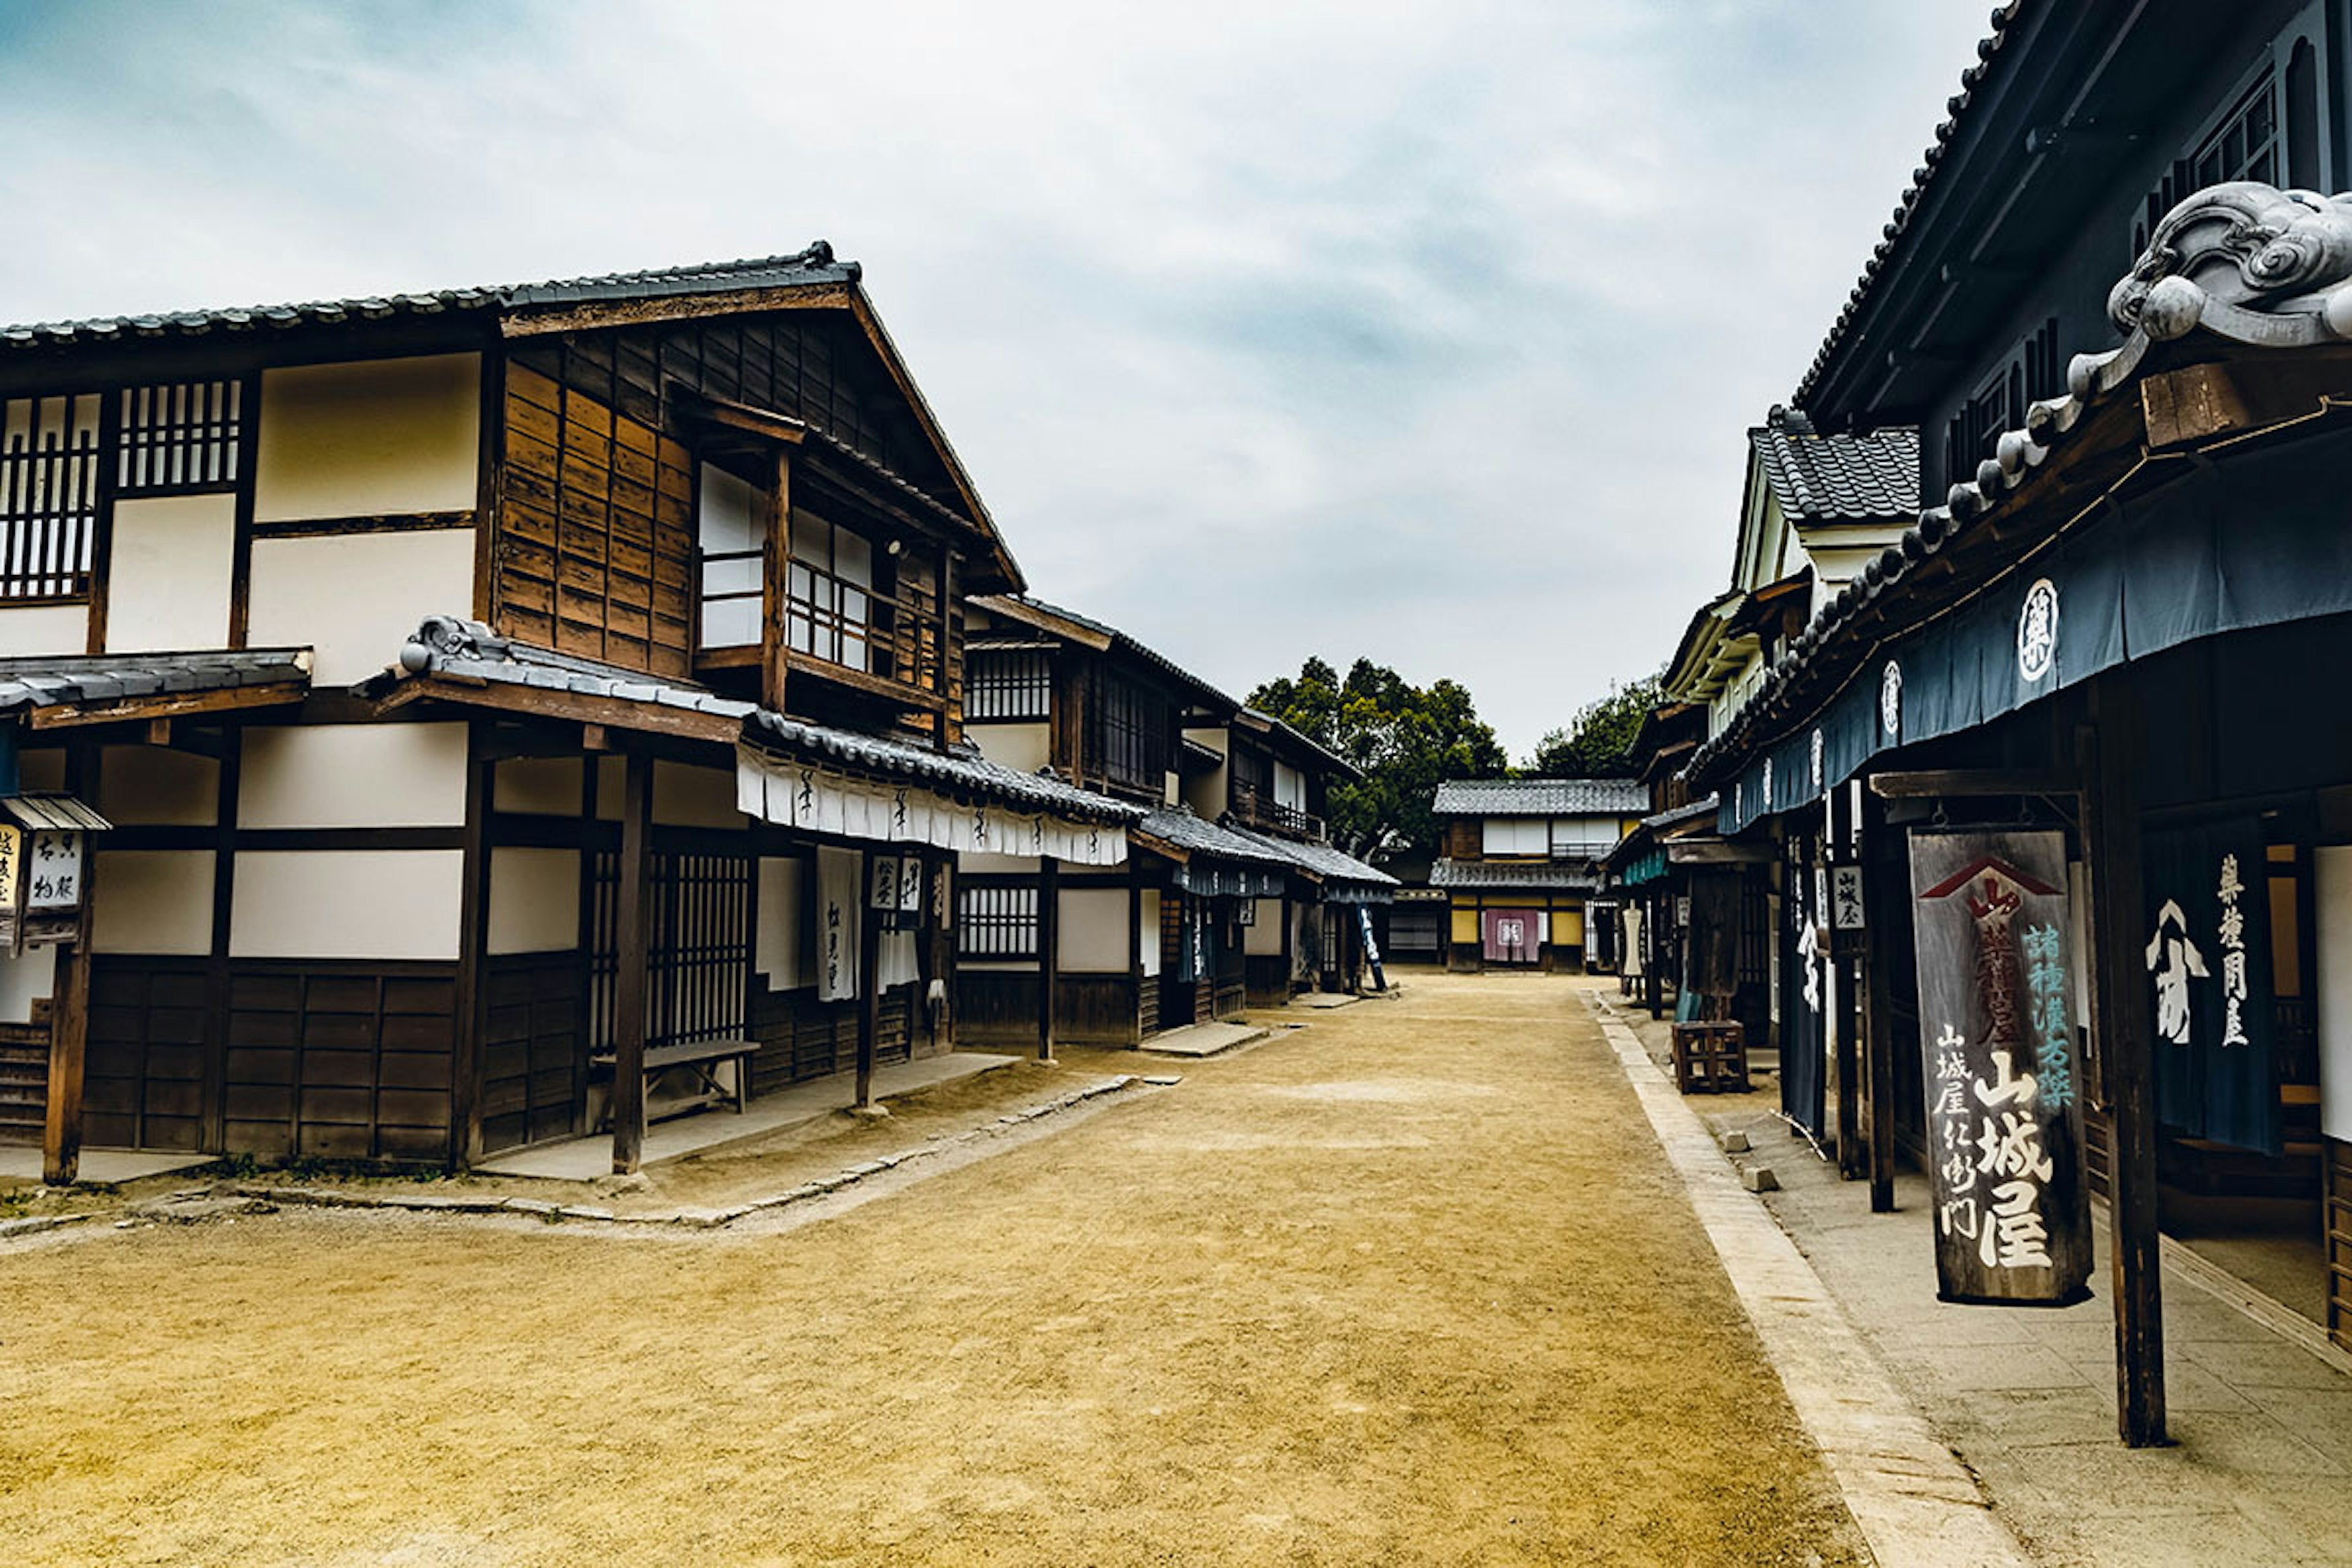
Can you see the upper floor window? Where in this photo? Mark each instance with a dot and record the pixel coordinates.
(1008, 684)
(732, 558)
(1516, 836)
(181, 439)
(48, 497)
(1130, 734)
(829, 593)
(2243, 146)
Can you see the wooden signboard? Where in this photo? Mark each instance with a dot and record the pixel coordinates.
(2000, 1064)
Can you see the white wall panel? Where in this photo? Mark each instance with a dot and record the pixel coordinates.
(535, 900)
(153, 901)
(1264, 939)
(368, 440)
(346, 903)
(353, 775)
(1091, 938)
(1023, 748)
(1151, 922)
(25, 981)
(169, 577)
(45, 628)
(356, 598)
(778, 947)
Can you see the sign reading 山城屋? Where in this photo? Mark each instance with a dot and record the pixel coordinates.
(2013, 1219)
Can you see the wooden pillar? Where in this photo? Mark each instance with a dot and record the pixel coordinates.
(473, 956)
(1049, 958)
(774, 652)
(2108, 752)
(869, 985)
(1879, 888)
(633, 944)
(70, 1004)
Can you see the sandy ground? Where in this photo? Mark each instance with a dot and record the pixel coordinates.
(1414, 1285)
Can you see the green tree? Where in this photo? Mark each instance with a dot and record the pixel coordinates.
(1406, 739)
(1598, 742)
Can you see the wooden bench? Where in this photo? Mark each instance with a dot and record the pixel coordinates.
(703, 1058)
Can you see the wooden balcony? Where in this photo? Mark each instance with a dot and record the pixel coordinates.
(1254, 809)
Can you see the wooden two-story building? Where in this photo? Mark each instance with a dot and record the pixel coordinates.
(510, 703)
(1231, 895)
(1521, 867)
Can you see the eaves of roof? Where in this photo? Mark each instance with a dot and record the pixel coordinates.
(1032, 611)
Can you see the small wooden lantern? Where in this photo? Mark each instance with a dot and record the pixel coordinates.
(45, 852)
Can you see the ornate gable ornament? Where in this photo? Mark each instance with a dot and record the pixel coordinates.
(2249, 261)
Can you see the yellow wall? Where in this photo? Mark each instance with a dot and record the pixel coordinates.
(1465, 924)
(1568, 928)
(168, 580)
(384, 437)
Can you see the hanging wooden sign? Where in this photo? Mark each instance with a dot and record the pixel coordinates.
(1989, 921)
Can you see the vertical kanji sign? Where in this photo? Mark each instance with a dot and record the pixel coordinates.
(2011, 1210)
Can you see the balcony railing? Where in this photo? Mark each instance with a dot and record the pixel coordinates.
(1263, 812)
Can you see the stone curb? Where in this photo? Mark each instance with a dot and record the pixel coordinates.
(684, 1218)
(35, 1223)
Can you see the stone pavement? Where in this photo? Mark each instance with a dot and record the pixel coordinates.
(2261, 1469)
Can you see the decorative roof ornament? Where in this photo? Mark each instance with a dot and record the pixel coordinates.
(2247, 260)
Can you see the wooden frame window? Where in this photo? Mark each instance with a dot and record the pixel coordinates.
(1008, 684)
(996, 921)
(48, 497)
(698, 962)
(829, 593)
(182, 438)
(1130, 733)
(730, 558)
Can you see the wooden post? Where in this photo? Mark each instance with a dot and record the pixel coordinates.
(869, 986)
(473, 960)
(633, 944)
(70, 1007)
(777, 555)
(1878, 959)
(2108, 752)
(1049, 958)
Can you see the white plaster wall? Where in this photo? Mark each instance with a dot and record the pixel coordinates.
(2333, 866)
(25, 981)
(688, 796)
(353, 775)
(1150, 921)
(538, 786)
(777, 943)
(346, 903)
(169, 579)
(45, 628)
(1264, 940)
(149, 786)
(368, 440)
(153, 901)
(535, 900)
(1023, 748)
(1091, 938)
(356, 598)
(980, 861)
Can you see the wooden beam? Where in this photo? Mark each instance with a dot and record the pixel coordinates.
(1955, 784)
(634, 934)
(1049, 958)
(775, 663)
(164, 705)
(615, 712)
(541, 322)
(61, 1124)
(2109, 751)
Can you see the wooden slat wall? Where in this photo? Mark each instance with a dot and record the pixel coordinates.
(1094, 1010)
(801, 1037)
(339, 1061)
(996, 1006)
(1147, 1005)
(24, 1082)
(533, 1053)
(144, 1083)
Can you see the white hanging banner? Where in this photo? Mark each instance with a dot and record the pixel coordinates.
(812, 799)
(839, 876)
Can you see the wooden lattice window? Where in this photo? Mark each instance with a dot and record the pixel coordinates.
(996, 921)
(48, 497)
(829, 593)
(1008, 684)
(180, 439)
(698, 962)
(1130, 734)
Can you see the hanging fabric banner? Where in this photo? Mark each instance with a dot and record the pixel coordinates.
(2205, 945)
(1804, 990)
(813, 799)
(2000, 1064)
(840, 878)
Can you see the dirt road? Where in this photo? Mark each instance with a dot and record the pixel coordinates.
(1412, 1285)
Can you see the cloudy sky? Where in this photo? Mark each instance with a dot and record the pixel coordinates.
(1421, 331)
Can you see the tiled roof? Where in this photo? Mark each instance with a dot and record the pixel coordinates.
(1198, 836)
(2004, 27)
(448, 646)
(1541, 797)
(72, 681)
(1534, 875)
(1321, 860)
(1827, 478)
(1702, 807)
(815, 266)
(1120, 640)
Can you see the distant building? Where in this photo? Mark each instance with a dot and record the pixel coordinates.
(1520, 867)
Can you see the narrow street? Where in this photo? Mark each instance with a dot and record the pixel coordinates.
(1412, 1284)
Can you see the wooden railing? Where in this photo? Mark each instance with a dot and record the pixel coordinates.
(1252, 809)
